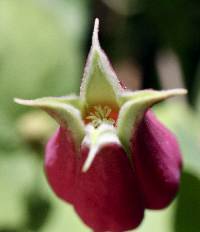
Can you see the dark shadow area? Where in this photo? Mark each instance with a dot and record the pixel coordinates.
(38, 209)
(187, 215)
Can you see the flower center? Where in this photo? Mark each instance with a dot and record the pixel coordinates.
(99, 114)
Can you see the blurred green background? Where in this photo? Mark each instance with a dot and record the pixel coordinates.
(43, 48)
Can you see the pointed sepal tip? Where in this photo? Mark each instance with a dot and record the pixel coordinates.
(95, 35)
(66, 115)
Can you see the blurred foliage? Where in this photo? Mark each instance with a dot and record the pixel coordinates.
(41, 53)
(39, 49)
(43, 45)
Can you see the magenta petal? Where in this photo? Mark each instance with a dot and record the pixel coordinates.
(107, 197)
(60, 164)
(157, 161)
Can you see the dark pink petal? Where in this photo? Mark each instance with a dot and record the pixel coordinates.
(60, 164)
(107, 196)
(157, 161)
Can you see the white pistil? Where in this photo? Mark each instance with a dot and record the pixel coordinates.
(96, 139)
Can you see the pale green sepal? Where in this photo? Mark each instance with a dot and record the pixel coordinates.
(100, 84)
(133, 110)
(96, 138)
(65, 114)
(72, 100)
(136, 95)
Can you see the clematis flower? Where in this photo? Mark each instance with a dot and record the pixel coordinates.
(110, 157)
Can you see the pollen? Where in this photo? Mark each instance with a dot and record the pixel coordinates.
(99, 114)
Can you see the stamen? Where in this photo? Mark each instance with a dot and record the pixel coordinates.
(100, 114)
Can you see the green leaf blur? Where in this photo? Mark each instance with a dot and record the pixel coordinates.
(43, 47)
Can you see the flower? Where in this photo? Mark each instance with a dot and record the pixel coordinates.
(110, 158)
